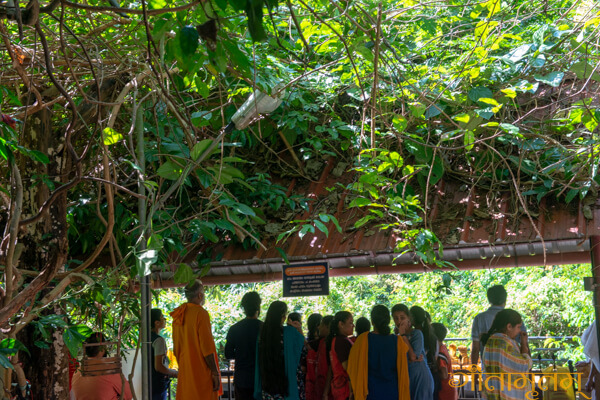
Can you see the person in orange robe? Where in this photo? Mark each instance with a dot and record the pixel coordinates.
(195, 350)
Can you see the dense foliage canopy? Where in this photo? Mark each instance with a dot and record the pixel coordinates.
(117, 161)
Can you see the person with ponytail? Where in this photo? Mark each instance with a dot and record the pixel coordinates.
(338, 348)
(378, 364)
(312, 346)
(421, 379)
(322, 368)
(504, 359)
(278, 357)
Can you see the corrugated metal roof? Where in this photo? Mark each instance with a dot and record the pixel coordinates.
(477, 229)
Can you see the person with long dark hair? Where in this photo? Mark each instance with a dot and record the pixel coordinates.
(279, 349)
(504, 359)
(378, 364)
(338, 348)
(241, 346)
(322, 368)
(312, 347)
(312, 324)
(421, 379)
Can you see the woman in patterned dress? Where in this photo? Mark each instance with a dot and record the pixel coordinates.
(505, 363)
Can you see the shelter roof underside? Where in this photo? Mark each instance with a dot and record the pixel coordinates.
(478, 230)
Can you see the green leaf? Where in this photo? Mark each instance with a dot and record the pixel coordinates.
(434, 110)
(480, 92)
(5, 362)
(170, 170)
(510, 128)
(322, 227)
(336, 223)
(571, 195)
(509, 92)
(363, 221)
(74, 336)
(553, 78)
(205, 270)
(222, 4)
(110, 136)
(417, 109)
(224, 225)
(283, 255)
(464, 118)
(254, 12)
(238, 57)
(188, 40)
(200, 148)
(469, 139)
(157, 4)
(359, 202)
(584, 70)
(305, 229)
(184, 274)
(38, 156)
(238, 5)
(201, 118)
(489, 101)
(244, 209)
(11, 346)
(400, 123)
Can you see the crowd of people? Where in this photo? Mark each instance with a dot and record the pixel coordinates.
(340, 358)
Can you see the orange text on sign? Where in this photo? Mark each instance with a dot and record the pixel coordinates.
(310, 270)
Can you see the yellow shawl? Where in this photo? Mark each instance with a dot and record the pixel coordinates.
(358, 368)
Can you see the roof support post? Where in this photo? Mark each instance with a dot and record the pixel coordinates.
(145, 297)
(595, 253)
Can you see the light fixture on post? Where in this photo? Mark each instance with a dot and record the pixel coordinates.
(258, 103)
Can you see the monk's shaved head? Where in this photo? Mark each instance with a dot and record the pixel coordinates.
(194, 289)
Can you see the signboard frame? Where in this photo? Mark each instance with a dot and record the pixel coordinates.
(306, 279)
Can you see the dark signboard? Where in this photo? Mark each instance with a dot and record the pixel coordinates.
(306, 280)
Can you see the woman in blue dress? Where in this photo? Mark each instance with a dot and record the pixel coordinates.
(421, 380)
(377, 365)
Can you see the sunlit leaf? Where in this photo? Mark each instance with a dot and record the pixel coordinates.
(110, 136)
(553, 78)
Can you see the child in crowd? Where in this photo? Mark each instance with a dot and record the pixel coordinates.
(161, 373)
(362, 325)
(444, 366)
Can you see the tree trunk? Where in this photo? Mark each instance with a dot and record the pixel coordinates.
(46, 369)
(45, 250)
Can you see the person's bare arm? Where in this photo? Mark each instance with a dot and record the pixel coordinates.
(160, 367)
(214, 371)
(475, 347)
(591, 381)
(524, 343)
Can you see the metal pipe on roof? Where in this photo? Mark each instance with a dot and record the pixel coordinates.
(496, 255)
(386, 262)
